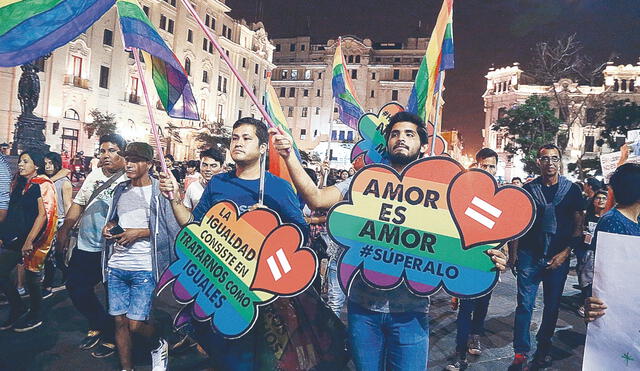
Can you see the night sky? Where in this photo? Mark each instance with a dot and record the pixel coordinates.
(486, 33)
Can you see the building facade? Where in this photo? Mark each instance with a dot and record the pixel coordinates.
(382, 72)
(582, 109)
(94, 71)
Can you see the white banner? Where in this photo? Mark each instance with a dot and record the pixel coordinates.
(613, 340)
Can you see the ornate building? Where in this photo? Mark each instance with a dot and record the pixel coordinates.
(94, 71)
(582, 108)
(381, 72)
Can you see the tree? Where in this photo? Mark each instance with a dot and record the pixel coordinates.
(102, 124)
(213, 135)
(527, 127)
(620, 117)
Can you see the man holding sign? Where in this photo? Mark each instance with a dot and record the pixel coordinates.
(248, 143)
(392, 324)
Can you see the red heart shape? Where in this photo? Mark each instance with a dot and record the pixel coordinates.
(283, 268)
(484, 213)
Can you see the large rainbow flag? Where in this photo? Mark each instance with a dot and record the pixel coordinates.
(439, 57)
(30, 29)
(169, 77)
(349, 109)
(277, 166)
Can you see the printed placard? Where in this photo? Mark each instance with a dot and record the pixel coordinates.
(429, 226)
(372, 149)
(229, 264)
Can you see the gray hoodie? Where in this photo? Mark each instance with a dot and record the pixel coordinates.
(163, 227)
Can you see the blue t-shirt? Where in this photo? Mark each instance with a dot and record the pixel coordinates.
(278, 196)
(614, 222)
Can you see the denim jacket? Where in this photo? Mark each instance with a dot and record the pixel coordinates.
(162, 224)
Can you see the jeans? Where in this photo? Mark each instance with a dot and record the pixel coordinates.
(130, 293)
(335, 295)
(227, 354)
(401, 340)
(8, 260)
(84, 273)
(531, 271)
(466, 325)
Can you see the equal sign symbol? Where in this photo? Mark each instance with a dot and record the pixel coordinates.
(273, 266)
(486, 207)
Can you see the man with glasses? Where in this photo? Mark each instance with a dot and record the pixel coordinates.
(542, 256)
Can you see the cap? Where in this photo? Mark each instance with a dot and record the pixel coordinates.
(139, 149)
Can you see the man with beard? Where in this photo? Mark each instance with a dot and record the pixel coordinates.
(385, 326)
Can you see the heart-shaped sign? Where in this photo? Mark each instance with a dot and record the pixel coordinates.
(283, 269)
(485, 214)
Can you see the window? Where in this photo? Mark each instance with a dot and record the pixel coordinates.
(589, 141)
(205, 77)
(292, 47)
(224, 85)
(224, 30)
(205, 44)
(333, 135)
(171, 25)
(315, 133)
(256, 69)
(284, 74)
(357, 59)
(396, 60)
(219, 83)
(277, 47)
(71, 114)
(163, 22)
(294, 74)
(305, 112)
(104, 77)
(219, 113)
(241, 91)
(350, 59)
(305, 93)
(172, 2)
(290, 113)
(414, 73)
(239, 114)
(303, 134)
(317, 110)
(302, 47)
(187, 66)
(190, 36)
(107, 37)
(350, 136)
(210, 22)
(373, 93)
(373, 76)
(229, 33)
(354, 74)
(77, 66)
(283, 92)
(145, 9)
(319, 75)
(317, 92)
(396, 74)
(394, 95)
(307, 74)
(341, 135)
(292, 92)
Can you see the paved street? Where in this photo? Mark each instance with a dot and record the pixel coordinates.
(54, 345)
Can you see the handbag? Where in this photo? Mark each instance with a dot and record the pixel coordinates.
(73, 234)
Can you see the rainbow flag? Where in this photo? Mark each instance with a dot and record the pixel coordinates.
(30, 29)
(277, 166)
(439, 57)
(169, 77)
(349, 109)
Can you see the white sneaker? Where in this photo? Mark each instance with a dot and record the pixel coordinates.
(160, 356)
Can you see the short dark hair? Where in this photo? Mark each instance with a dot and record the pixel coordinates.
(516, 177)
(114, 138)
(259, 126)
(624, 183)
(594, 183)
(602, 191)
(486, 153)
(170, 157)
(55, 159)
(409, 117)
(548, 146)
(216, 155)
(193, 163)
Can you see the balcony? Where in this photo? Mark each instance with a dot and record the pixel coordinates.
(76, 81)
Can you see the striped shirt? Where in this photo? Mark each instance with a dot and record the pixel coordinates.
(5, 183)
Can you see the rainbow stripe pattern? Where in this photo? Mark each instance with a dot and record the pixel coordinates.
(277, 166)
(169, 77)
(349, 108)
(439, 57)
(32, 28)
(423, 247)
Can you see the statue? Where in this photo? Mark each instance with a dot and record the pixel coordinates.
(28, 88)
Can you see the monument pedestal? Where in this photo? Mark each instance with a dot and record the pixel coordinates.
(29, 135)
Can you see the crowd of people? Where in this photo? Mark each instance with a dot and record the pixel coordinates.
(119, 230)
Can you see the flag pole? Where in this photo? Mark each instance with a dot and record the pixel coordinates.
(435, 120)
(263, 170)
(327, 155)
(226, 59)
(154, 125)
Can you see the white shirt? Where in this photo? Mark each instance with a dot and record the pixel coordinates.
(193, 194)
